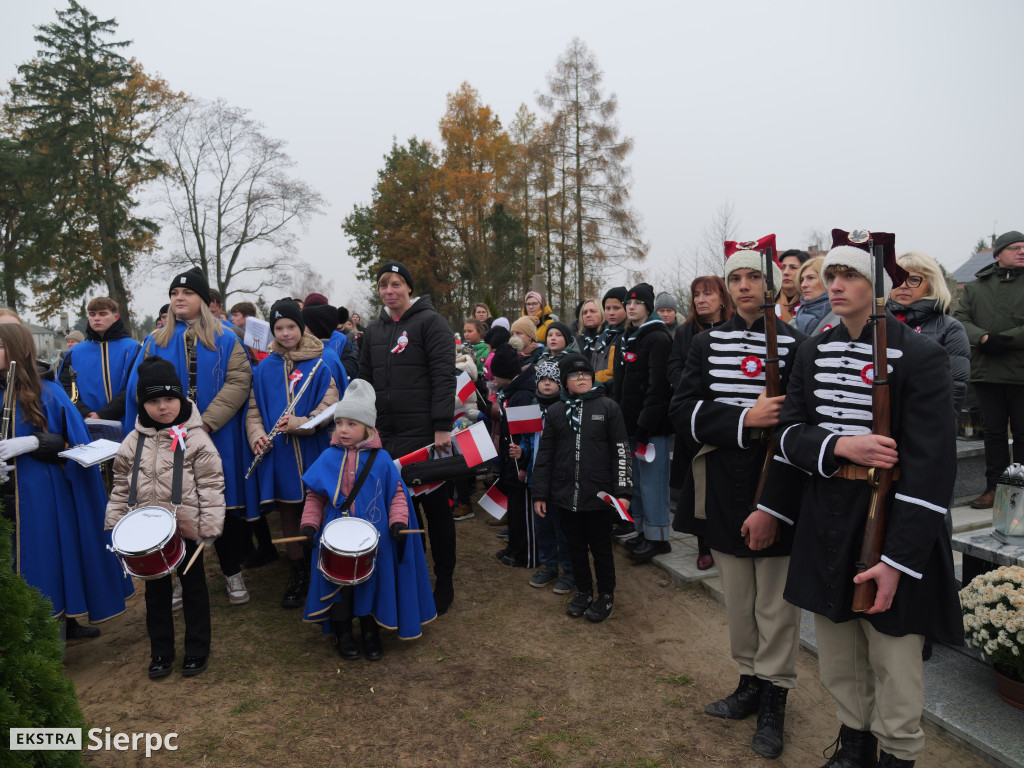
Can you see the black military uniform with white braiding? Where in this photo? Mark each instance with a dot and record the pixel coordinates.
(829, 396)
(722, 378)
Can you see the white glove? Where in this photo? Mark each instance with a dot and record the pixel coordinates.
(5, 471)
(17, 446)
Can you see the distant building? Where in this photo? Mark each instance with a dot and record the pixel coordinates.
(48, 343)
(965, 272)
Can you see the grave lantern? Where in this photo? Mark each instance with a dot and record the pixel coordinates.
(1008, 511)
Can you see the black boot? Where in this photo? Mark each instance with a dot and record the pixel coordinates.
(344, 640)
(856, 749)
(297, 583)
(741, 703)
(771, 716)
(76, 631)
(885, 760)
(444, 593)
(265, 551)
(372, 647)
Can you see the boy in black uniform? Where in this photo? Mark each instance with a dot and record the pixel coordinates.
(870, 662)
(722, 412)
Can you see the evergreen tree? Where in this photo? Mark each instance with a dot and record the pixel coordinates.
(34, 691)
(91, 113)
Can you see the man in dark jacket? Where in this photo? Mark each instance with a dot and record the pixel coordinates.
(722, 412)
(870, 662)
(991, 309)
(408, 355)
(642, 391)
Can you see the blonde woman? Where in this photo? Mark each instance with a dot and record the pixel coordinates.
(215, 371)
(922, 302)
(814, 314)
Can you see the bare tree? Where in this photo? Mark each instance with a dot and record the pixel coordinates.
(311, 281)
(593, 171)
(228, 194)
(709, 254)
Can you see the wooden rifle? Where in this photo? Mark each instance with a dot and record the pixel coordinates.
(772, 377)
(879, 479)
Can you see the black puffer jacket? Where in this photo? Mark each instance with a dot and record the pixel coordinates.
(572, 468)
(641, 383)
(927, 318)
(416, 386)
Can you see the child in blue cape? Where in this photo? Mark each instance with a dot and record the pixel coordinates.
(397, 595)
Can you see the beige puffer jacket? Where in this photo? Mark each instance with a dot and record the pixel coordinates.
(309, 347)
(201, 513)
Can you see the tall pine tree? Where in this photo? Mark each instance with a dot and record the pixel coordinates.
(92, 113)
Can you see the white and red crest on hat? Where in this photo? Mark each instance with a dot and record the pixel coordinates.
(732, 246)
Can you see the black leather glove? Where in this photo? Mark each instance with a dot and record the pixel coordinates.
(396, 530)
(310, 533)
(996, 344)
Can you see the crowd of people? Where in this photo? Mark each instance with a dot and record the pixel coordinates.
(745, 423)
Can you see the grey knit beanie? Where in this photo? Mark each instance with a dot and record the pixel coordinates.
(358, 404)
(1005, 239)
(665, 301)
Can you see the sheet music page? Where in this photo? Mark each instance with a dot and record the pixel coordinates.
(257, 334)
(92, 453)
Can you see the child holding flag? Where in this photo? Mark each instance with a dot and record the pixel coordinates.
(169, 441)
(516, 391)
(582, 463)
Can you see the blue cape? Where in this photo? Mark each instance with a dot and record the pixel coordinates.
(397, 594)
(281, 470)
(241, 496)
(332, 359)
(103, 368)
(60, 546)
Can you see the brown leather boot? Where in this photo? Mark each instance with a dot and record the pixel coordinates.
(463, 511)
(986, 501)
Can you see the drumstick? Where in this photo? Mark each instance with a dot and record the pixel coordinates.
(194, 556)
(288, 540)
(412, 530)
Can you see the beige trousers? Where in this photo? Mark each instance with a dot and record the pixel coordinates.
(764, 630)
(876, 680)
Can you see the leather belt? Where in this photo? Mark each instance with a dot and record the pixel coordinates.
(857, 472)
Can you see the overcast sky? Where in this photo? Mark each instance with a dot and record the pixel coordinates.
(897, 116)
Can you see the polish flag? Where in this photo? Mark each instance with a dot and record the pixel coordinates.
(464, 386)
(524, 419)
(476, 444)
(494, 502)
(411, 458)
(645, 451)
(609, 499)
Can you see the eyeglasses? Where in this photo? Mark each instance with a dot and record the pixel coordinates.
(1015, 248)
(580, 376)
(914, 281)
(533, 303)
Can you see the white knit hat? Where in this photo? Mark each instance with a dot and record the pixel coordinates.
(359, 403)
(850, 250)
(747, 255)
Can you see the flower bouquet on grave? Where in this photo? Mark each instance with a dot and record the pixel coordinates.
(993, 610)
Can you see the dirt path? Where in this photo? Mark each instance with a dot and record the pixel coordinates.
(504, 679)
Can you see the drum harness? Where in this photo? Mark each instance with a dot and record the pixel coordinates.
(176, 477)
(363, 474)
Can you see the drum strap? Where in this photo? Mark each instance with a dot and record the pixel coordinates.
(176, 476)
(363, 473)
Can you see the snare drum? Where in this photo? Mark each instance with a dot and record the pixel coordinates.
(147, 542)
(348, 550)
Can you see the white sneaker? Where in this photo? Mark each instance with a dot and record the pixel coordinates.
(176, 596)
(237, 593)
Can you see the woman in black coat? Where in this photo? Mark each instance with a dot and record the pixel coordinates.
(710, 306)
(408, 354)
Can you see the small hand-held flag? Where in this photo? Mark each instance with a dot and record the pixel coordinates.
(616, 505)
(475, 444)
(645, 451)
(411, 458)
(494, 502)
(464, 386)
(524, 419)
